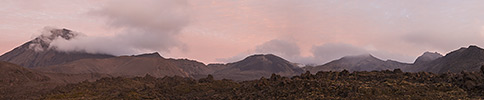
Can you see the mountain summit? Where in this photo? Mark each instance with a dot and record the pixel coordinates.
(427, 57)
(267, 62)
(257, 66)
(38, 52)
(463, 59)
(43, 41)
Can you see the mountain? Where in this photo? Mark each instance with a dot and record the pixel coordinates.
(257, 66)
(427, 57)
(463, 59)
(129, 66)
(38, 51)
(358, 63)
(194, 68)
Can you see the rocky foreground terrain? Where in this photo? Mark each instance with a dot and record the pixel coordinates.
(322, 85)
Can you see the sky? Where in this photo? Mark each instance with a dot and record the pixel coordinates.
(221, 31)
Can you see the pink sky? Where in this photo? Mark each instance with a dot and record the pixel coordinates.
(228, 30)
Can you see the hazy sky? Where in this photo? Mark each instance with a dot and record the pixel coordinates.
(305, 31)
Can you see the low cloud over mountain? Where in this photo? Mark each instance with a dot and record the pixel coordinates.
(320, 53)
(146, 25)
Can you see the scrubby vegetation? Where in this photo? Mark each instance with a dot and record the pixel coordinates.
(322, 85)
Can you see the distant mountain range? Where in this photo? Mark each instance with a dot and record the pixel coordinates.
(358, 63)
(252, 67)
(40, 57)
(464, 59)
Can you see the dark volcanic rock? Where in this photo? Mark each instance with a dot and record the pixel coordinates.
(482, 69)
(375, 85)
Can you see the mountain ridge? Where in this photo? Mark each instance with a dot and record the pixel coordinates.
(427, 57)
(365, 62)
(257, 66)
(119, 66)
(463, 59)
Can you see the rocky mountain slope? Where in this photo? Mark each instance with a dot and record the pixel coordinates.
(463, 59)
(38, 52)
(358, 63)
(257, 66)
(427, 57)
(128, 66)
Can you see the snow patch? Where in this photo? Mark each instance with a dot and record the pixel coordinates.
(48, 35)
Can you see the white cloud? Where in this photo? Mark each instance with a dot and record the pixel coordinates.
(148, 25)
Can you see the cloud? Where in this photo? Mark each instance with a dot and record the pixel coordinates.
(287, 49)
(443, 40)
(147, 25)
(223, 28)
(331, 51)
(235, 58)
